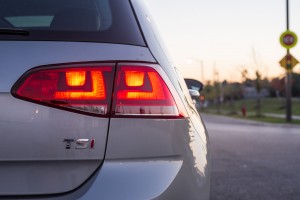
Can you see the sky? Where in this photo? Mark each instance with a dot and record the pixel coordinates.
(227, 36)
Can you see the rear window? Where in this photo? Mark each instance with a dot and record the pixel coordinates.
(108, 21)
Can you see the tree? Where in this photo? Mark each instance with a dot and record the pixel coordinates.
(277, 86)
(244, 83)
(208, 91)
(258, 64)
(296, 85)
(217, 89)
(258, 89)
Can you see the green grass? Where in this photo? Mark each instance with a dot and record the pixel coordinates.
(273, 120)
(268, 105)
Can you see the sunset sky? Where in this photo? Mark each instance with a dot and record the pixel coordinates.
(228, 33)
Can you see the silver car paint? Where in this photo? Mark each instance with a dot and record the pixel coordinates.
(143, 169)
(201, 187)
(132, 179)
(145, 158)
(32, 148)
(164, 138)
(32, 135)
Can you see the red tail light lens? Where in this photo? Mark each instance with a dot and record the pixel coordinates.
(140, 90)
(97, 90)
(85, 88)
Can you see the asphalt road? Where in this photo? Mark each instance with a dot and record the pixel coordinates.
(253, 160)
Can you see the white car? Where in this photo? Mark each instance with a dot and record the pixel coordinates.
(90, 107)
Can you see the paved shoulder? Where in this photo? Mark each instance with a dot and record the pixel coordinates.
(210, 118)
(253, 160)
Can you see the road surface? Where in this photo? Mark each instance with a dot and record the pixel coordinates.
(252, 160)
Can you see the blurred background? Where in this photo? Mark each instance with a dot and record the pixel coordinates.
(233, 48)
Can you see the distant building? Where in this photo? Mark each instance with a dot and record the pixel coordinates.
(250, 92)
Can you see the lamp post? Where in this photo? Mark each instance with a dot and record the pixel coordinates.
(200, 62)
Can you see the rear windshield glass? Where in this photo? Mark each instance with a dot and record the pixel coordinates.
(109, 21)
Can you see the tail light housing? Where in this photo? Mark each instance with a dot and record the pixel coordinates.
(99, 89)
(85, 88)
(140, 90)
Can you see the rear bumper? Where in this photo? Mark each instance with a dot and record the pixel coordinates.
(133, 179)
(160, 179)
(139, 180)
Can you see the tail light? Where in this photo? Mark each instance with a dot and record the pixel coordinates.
(139, 90)
(84, 88)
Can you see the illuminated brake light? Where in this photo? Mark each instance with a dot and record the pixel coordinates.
(156, 93)
(140, 90)
(84, 88)
(98, 89)
(76, 78)
(134, 78)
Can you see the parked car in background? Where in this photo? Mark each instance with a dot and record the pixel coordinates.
(90, 107)
(194, 84)
(195, 87)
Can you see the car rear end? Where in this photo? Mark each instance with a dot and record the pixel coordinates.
(88, 112)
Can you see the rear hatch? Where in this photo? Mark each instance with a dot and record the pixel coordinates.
(48, 149)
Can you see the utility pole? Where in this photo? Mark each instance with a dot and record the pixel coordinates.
(217, 87)
(288, 75)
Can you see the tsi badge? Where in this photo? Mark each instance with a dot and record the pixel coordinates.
(79, 143)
